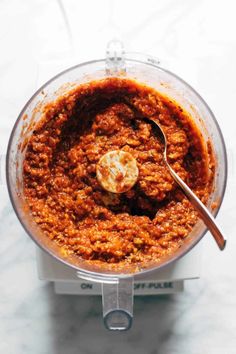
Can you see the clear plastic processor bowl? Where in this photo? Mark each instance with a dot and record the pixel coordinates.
(117, 287)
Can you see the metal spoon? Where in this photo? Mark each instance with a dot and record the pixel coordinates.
(205, 215)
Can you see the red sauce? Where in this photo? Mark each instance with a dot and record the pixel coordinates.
(66, 200)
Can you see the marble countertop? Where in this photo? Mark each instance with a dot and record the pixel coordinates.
(199, 38)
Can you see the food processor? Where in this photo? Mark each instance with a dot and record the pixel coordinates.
(117, 287)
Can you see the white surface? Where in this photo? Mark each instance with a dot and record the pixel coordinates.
(202, 319)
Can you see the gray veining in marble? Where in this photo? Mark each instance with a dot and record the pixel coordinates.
(33, 320)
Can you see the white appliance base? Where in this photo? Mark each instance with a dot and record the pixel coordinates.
(168, 280)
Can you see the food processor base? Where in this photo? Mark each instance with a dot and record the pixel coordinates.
(168, 280)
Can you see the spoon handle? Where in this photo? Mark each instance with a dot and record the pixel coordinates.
(204, 213)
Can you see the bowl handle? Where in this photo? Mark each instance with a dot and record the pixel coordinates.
(117, 299)
(115, 60)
